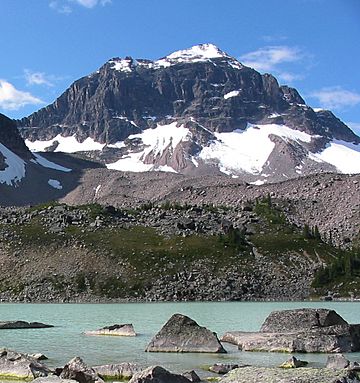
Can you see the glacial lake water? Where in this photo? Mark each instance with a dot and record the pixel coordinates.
(66, 339)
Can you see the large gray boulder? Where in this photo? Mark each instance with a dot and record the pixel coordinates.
(15, 365)
(157, 374)
(76, 369)
(313, 330)
(296, 375)
(301, 319)
(12, 325)
(114, 330)
(182, 334)
(118, 371)
(337, 361)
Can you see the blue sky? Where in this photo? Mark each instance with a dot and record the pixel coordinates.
(312, 45)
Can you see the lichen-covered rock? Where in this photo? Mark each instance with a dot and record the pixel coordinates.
(19, 366)
(300, 319)
(183, 334)
(117, 371)
(337, 361)
(114, 330)
(157, 374)
(296, 375)
(294, 363)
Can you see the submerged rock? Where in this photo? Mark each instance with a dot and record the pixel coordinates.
(15, 365)
(157, 374)
(280, 375)
(14, 325)
(182, 334)
(114, 330)
(221, 368)
(117, 371)
(305, 330)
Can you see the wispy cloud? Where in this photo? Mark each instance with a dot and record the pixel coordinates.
(38, 78)
(13, 99)
(336, 98)
(276, 59)
(66, 6)
(273, 38)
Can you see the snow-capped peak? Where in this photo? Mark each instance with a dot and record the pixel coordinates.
(201, 51)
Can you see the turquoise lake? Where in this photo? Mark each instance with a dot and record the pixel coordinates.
(66, 339)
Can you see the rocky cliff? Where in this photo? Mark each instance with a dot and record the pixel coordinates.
(194, 111)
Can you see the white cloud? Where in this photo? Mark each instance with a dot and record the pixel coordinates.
(336, 98)
(37, 78)
(13, 99)
(65, 6)
(268, 58)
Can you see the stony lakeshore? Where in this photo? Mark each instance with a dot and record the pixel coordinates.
(183, 334)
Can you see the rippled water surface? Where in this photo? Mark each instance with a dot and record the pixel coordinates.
(66, 339)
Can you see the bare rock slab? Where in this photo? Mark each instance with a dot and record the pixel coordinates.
(157, 374)
(14, 325)
(301, 319)
(114, 330)
(280, 375)
(305, 330)
(76, 369)
(183, 334)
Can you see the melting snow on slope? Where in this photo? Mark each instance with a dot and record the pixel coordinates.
(66, 144)
(247, 150)
(16, 167)
(48, 164)
(234, 93)
(343, 155)
(55, 184)
(155, 141)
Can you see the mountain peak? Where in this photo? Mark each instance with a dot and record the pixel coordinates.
(201, 51)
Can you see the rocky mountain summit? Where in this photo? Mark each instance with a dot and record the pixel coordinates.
(196, 111)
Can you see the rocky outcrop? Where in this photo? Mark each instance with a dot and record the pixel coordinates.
(182, 334)
(300, 319)
(157, 374)
(12, 325)
(297, 375)
(114, 330)
(329, 333)
(76, 369)
(294, 363)
(120, 371)
(19, 366)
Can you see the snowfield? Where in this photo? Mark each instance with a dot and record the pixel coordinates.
(15, 170)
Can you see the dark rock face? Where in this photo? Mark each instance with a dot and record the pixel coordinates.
(77, 370)
(22, 325)
(157, 374)
(182, 334)
(10, 137)
(306, 330)
(300, 319)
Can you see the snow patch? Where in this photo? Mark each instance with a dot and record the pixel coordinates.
(258, 182)
(123, 65)
(155, 141)
(343, 155)
(15, 171)
(247, 150)
(55, 184)
(234, 93)
(66, 144)
(48, 164)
